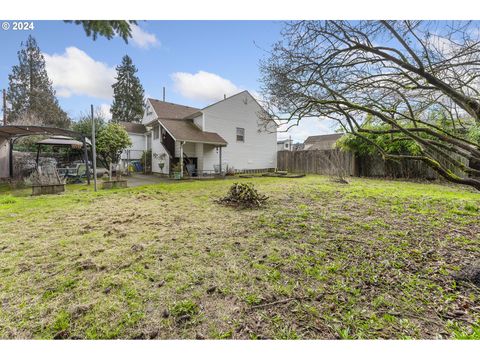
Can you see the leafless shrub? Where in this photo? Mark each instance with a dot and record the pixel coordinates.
(338, 170)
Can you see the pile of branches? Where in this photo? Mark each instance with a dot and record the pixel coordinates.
(243, 195)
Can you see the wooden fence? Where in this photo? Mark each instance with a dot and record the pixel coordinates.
(331, 162)
(326, 162)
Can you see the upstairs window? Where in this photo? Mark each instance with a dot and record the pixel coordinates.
(241, 134)
(156, 132)
(148, 110)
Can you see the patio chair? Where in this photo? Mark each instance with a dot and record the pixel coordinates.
(78, 176)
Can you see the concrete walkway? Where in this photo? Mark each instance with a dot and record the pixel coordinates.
(141, 179)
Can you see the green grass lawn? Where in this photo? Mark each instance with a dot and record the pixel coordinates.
(371, 259)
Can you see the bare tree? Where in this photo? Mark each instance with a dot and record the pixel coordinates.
(419, 80)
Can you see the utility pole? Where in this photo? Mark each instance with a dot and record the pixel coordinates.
(94, 152)
(164, 94)
(4, 108)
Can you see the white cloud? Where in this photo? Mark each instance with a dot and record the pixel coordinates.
(76, 73)
(104, 111)
(203, 86)
(143, 39)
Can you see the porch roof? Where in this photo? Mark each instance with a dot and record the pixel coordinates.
(185, 130)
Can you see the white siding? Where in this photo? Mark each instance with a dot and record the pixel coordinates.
(137, 148)
(199, 121)
(211, 158)
(149, 113)
(157, 148)
(259, 151)
(285, 145)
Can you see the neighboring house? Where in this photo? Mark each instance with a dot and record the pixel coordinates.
(321, 142)
(298, 147)
(137, 133)
(285, 145)
(228, 133)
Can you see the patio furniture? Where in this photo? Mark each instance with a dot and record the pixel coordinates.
(75, 175)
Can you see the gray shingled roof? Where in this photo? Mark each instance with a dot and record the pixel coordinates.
(185, 130)
(320, 138)
(166, 110)
(134, 128)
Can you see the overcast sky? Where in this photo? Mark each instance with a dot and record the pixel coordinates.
(197, 62)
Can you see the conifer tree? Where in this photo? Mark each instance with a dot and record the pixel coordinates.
(30, 92)
(128, 93)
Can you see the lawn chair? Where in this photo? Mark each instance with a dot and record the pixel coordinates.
(78, 176)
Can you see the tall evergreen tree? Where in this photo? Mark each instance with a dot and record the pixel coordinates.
(30, 92)
(128, 94)
(107, 28)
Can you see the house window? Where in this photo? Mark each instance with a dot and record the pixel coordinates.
(241, 134)
(148, 110)
(163, 133)
(286, 145)
(155, 132)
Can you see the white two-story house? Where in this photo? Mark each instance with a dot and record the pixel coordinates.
(228, 134)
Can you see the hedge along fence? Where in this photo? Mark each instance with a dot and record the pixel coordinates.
(328, 162)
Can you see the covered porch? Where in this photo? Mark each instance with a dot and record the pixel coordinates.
(198, 159)
(187, 151)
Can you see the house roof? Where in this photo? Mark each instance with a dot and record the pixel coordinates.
(133, 127)
(298, 146)
(184, 130)
(320, 138)
(167, 110)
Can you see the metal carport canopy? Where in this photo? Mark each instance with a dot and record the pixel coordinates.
(12, 132)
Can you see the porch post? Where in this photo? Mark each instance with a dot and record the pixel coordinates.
(128, 162)
(38, 155)
(181, 158)
(220, 160)
(10, 158)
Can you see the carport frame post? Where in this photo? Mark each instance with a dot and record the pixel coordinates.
(38, 155)
(85, 154)
(94, 151)
(10, 158)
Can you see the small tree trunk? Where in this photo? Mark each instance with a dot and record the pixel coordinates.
(110, 172)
